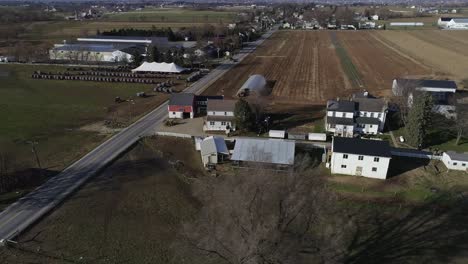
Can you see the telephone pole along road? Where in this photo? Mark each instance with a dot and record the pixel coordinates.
(31, 208)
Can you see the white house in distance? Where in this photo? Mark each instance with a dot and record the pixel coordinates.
(213, 150)
(442, 22)
(362, 114)
(455, 161)
(220, 115)
(360, 157)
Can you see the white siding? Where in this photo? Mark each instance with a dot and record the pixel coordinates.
(349, 166)
(219, 125)
(218, 113)
(454, 164)
(175, 114)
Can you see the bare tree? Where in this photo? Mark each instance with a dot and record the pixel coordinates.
(403, 92)
(462, 118)
(263, 216)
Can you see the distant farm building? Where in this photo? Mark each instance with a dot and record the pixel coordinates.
(255, 84)
(406, 24)
(457, 23)
(181, 105)
(441, 90)
(442, 22)
(276, 152)
(89, 52)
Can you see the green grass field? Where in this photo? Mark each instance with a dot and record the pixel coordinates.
(173, 15)
(50, 112)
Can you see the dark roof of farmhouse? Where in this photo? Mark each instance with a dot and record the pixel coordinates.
(367, 147)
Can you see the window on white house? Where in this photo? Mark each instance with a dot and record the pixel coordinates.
(370, 126)
(225, 113)
(223, 123)
(173, 113)
(376, 159)
(360, 157)
(212, 123)
(365, 114)
(345, 156)
(463, 164)
(374, 169)
(332, 126)
(454, 164)
(379, 115)
(372, 114)
(343, 166)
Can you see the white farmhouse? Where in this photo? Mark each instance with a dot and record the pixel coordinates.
(360, 157)
(455, 161)
(362, 115)
(220, 115)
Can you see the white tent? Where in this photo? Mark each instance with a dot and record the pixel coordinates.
(159, 67)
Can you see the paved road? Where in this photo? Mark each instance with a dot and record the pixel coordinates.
(32, 207)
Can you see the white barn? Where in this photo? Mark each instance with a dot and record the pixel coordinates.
(360, 157)
(89, 52)
(455, 161)
(213, 150)
(457, 23)
(442, 21)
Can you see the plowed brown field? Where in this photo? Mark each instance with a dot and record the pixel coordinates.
(302, 65)
(377, 63)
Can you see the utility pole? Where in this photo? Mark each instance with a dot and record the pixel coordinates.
(33, 149)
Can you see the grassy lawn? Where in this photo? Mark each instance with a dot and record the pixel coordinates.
(50, 112)
(410, 181)
(173, 15)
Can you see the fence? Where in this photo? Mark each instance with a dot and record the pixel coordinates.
(171, 134)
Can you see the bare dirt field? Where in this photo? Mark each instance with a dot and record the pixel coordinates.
(302, 66)
(377, 63)
(444, 51)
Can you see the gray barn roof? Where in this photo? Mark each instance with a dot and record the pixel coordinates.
(272, 151)
(221, 105)
(370, 104)
(368, 147)
(457, 156)
(86, 47)
(428, 83)
(213, 145)
(341, 106)
(182, 99)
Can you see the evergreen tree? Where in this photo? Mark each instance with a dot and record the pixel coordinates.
(154, 54)
(137, 58)
(419, 119)
(243, 115)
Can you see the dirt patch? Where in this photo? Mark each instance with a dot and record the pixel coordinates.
(427, 47)
(377, 64)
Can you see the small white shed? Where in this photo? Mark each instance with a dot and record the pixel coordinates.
(317, 136)
(277, 133)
